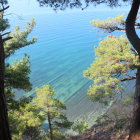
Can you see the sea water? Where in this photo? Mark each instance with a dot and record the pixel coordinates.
(65, 48)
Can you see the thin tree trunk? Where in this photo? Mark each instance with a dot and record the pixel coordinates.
(4, 125)
(135, 41)
(50, 125)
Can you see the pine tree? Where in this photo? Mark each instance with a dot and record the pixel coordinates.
(4, 124)
(26, 120)
(116, 62)
(80, 126)
(53, 109)
(16, 76)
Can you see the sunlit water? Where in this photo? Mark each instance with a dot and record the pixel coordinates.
(65, 48)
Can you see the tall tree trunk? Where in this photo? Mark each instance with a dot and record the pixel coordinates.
(135, 128)
(50, 125)
(4, 125)
(130, 26)
(135, 41)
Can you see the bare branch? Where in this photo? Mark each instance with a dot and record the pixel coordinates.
(137, 24)
(2, 10)
(120, 29)
(6, 39)
(6, 33)
(128, 79)
(133, 50)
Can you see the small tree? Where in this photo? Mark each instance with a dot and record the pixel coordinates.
(52, 108)
(80, 126)
(26, 120)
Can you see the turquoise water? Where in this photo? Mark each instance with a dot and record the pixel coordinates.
(63, 51)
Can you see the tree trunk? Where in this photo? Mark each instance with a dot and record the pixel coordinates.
(130, 26)
(50, 126)
(135, 41)
(135, 128)
(4, 125)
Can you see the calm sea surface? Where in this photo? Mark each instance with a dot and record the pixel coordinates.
(65, 48)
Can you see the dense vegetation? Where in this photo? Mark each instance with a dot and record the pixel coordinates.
(115, 63)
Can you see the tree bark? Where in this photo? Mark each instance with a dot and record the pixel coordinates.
(50, 125)
(135, 41)
(130, 26)
(4, 125)
(135, 128)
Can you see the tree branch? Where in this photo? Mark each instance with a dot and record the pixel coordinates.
(133, 50)
(127, 79)
(2, 10)
(6, 39)
(5, 33)
(120, 29)
(137, 24)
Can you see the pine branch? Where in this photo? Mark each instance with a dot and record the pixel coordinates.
(133, 50)
(2, 10)
(6, 39)
(6, 33)
(120, 29)
(137, 24)
(113, 29)
(127, 79)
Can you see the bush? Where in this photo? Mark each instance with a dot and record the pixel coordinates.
(80, 126)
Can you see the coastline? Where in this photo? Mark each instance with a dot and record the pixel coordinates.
(80, 107)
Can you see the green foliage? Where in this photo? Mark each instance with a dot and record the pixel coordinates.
(4, 23)
(62, 5)
(4, 2)
(114, 62)
(80, 126)
(128, 100)
(118, 116)
(47, 103)
(111, 24)
(23, 115)
(57, 135)
(63, 123)
(24, 118)
(50, 106)
(19, 39)
(18, 71)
